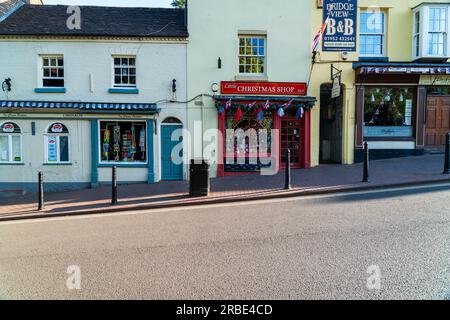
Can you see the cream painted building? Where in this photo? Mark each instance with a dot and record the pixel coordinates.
(243, 55)
(75, 102)
(395, 86)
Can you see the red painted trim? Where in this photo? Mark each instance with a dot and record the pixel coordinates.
(305, 144)
(307, 140)
(263, 88)
(221, 145)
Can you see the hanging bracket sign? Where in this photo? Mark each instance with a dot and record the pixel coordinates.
(340, 34)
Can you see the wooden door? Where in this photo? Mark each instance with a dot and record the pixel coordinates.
(170, 169)
(438, 121)
(292, 132)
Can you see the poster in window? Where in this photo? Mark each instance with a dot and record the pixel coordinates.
(408, 112)
(52, 152)
(341, 32)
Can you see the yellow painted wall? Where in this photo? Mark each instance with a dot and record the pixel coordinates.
(399, 27)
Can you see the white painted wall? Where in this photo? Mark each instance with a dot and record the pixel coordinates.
(33, 154)
(157, 64)
(214, 27)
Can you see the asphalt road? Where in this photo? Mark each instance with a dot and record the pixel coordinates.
(313, 248)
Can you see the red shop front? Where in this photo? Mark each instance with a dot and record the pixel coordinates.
(259, 122)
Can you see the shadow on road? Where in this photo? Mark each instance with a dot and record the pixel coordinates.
(385, 194)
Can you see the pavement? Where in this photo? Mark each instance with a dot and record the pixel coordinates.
(318, 180)
(318, 247)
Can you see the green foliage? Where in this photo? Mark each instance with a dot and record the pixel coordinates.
(179, 3)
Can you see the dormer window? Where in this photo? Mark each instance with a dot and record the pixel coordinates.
(431, 31)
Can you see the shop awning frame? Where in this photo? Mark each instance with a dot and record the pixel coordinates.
(275, 102)
(83, 107)
(418, 68)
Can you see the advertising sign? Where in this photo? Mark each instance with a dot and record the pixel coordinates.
(341, 31)
(52, 156)
(8, 128)
(264, 88)
(57, 128)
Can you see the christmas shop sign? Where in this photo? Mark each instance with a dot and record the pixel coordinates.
(264, 88)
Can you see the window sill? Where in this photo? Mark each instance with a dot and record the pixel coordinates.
(245, 77)
(123, 165)
(50, 90)
(58, 164)
(124, 90)
(373, 59)
(12, 164)
(381, 138)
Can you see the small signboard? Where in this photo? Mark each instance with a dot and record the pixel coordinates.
(264, 88)
(341, 32)
(336, 90)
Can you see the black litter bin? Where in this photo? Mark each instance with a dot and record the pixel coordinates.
(199, 178)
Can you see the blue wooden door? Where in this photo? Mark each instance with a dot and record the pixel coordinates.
(170, 170)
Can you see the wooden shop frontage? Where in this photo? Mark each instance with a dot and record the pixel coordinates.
(259, 122)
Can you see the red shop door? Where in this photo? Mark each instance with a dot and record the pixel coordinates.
(291, 138)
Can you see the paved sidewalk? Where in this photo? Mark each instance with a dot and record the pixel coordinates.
(322, 179)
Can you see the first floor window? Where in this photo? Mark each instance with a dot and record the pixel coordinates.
(388, 112)
(372, 34)
(123, 141)
(10, 143)
(437, 38)
(125, 71)
(53, 71)
(252, 54)
(57, 143)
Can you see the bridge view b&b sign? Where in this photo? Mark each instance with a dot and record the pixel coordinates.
(341, 32)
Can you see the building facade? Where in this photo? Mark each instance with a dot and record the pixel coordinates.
(248, 68)
(75, 102)
(394, 87)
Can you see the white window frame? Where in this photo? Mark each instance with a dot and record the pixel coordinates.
(99, 133)
(10, 148)
(42, 67)
(58, 151)
(417, 33)
(443, 32)
(113, 80)
(383, 35)
(424, 32)
(258, 37)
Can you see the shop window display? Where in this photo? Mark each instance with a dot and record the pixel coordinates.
(123, 141)
(388, 112)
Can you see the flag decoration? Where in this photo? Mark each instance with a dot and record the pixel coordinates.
(300, 113)
(267, 105)
(252, 105)
(260, 115)
(238, 115)
(228, 104)
(320, 34)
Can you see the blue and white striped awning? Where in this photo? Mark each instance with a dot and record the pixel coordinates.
(83, 106)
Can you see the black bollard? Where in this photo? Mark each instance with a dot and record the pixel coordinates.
(366, 163)
(40, 191)
(114, 186)
(287, 184)
(447, 154)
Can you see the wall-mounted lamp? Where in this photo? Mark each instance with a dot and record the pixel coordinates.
(219, 63)
(174, 85)
(6, 85)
